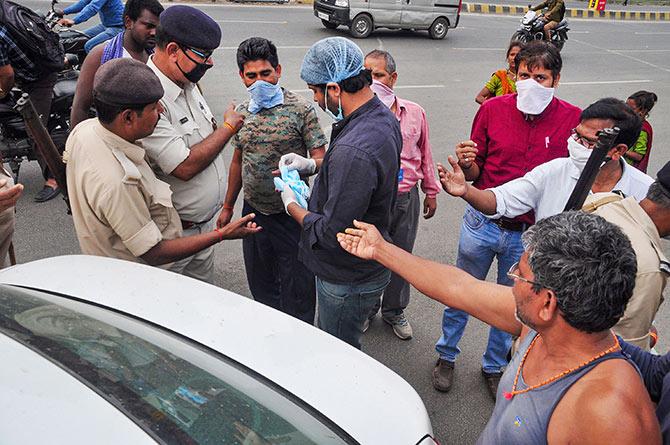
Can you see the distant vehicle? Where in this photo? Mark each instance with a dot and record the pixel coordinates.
(364, 16)
(532, 28)
(104, 351)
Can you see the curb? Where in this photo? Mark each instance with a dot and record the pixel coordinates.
(484, 8)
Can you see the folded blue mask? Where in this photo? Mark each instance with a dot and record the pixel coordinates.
(263, 94)
(291, 178)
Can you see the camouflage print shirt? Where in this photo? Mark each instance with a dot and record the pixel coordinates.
(289, 128)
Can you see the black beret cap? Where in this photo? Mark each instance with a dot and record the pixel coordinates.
(126, 81)
(191, 27)
(663, 176)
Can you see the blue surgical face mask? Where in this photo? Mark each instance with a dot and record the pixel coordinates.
(264, 94)
(339, 116)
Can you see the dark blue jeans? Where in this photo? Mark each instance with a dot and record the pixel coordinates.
(480, 242)
(275, 276)
(343, 308)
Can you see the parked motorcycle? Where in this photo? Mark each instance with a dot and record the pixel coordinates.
(73, 40)
(531, 28)
(15, 143)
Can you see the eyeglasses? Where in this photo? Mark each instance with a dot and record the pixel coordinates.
(205, 56)
(512, 274)
(588, 143)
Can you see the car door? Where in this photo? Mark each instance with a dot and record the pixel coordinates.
(386, 12)
(417, 13)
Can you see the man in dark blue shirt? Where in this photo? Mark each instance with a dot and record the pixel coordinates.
(357, 180)
(655, 370)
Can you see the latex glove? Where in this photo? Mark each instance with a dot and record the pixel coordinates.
(287, 196)
(302, 165)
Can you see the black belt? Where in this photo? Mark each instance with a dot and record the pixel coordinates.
(508, 224)
(185, 225)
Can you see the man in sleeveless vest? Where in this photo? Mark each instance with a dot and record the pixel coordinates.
(140, 18)
(569, 382)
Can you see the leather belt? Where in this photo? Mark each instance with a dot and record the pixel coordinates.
(185, 225)
(508, 224)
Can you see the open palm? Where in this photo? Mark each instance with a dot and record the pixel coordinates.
(453, 182)
(361, 241)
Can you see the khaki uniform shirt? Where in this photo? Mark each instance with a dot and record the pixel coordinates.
(187, 120)
(652, 265)
(267, 135)
(120, 209)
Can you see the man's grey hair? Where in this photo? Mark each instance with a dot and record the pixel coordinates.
(588, 263)
(659, 195)
(388, 59)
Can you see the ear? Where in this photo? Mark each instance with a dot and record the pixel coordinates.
(557, 79)
(394, 79)
(617, 151)
(334, 88)
(172, 49)
(127, 22)
(127, 117)
(549, 308)
(242, 74)
(278, 70)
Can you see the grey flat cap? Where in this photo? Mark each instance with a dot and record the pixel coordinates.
(126, 82)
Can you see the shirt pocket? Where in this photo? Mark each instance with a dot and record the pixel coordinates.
(410, 141)
(160, 207)
(187, 129)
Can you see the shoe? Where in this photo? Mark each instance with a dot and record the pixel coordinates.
(492, 382)
(400, 325)
(47, 193)
(366, 325)
(443, 375)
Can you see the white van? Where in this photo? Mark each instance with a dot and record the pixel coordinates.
(364, 16)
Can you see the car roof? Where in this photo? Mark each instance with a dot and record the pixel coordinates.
(353, 390)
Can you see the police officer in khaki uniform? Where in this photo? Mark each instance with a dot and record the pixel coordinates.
(120, 209)
(185, 148)
(644, 224)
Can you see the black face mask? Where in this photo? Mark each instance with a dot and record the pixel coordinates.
(196, 73)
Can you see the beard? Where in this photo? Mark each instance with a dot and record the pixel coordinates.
(521, 318)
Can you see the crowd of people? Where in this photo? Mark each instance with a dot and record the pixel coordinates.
(576, 294)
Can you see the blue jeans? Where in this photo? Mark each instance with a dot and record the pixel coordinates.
(98, 34)
(343, 308)
(480, 241)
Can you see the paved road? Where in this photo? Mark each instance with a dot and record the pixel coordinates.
(602, 58)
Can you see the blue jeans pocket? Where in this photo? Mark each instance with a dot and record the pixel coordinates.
(473, 219)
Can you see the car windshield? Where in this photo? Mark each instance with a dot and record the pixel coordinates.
(175, 389)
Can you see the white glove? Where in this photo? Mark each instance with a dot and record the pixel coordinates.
(287, 197)
(302, 165)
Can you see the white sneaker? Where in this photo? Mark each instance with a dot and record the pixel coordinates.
(400, 325)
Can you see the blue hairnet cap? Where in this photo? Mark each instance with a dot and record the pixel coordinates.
(331, 60)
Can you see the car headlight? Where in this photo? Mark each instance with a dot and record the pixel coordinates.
(342, 3)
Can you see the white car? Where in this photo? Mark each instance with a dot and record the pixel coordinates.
(102, 351)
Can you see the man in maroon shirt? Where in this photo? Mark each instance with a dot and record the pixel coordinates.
(511, 135)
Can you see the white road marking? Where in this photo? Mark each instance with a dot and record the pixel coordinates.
(651, 33)
(667, 70)
(263, 22)
(642, 50)
(605, 82)
(380, 44)
(480, 49)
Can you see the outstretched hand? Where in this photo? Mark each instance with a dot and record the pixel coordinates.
(363, 241)
(240, 228)
(453, 182)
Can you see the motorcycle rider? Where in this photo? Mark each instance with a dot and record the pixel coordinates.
(111, 19)
(140, 18)
(553, 16)
(17, 69)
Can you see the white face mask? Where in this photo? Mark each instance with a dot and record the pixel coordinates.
(532, 97)
(579, 154)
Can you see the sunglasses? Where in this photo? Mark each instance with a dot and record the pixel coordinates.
(205, 56)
